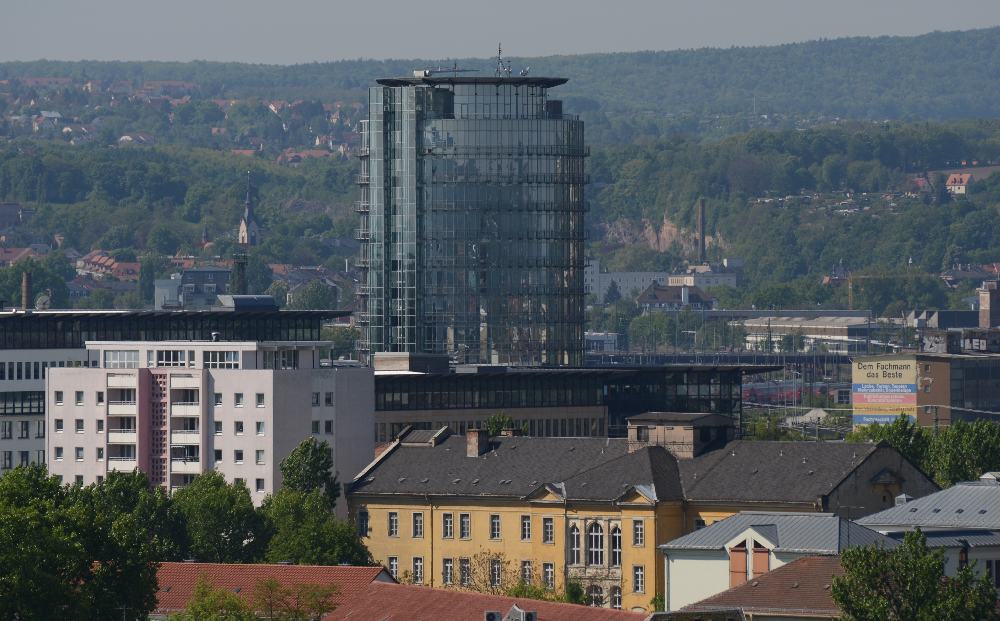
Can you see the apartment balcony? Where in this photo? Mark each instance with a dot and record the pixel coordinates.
(122, 464)
(185, 436)
(122, 408)
(185, 466)
(362, 235)
(185, 381)
(122, 380)
(362, 207)
(185, 408)
(362, 179)
(121, 436)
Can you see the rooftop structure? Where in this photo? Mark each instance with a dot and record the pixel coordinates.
(972, 505)
(476, 249)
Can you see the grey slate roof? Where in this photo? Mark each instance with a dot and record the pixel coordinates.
(959, 538)
(812, 533)
(970, 505)
(513, 467)
(770, 471)
(652, 470)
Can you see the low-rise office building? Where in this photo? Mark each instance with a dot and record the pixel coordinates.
(577, 402)
(933, 389)
(831, 334)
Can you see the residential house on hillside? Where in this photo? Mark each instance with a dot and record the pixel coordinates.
(593, 510)
(798, 591)
(748, 545)
(958, 183)
(658, 297)
(962, 520)
(10, 256)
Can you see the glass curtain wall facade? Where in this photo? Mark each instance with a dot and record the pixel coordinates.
(472, 221)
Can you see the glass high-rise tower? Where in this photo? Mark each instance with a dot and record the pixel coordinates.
(472, 220)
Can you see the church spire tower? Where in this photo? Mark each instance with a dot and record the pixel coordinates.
(249, 232)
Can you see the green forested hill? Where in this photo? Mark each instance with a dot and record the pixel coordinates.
(942, 75)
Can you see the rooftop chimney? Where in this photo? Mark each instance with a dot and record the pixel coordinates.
(26, 290)
(701, 230)
(476, 442)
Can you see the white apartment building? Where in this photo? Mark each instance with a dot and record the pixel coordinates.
(22, 400)
(175, 409)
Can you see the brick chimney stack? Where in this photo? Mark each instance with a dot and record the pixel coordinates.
(476, 442)
(26, 290)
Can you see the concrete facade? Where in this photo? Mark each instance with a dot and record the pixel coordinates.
(176, 409)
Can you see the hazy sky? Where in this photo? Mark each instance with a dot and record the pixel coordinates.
(294, 31)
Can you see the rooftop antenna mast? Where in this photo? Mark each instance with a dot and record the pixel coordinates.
(503, 66)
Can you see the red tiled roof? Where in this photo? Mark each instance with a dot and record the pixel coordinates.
(399, 602)
(801, 587)
(177, 580)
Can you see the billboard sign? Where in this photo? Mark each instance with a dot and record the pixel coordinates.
(883, 389)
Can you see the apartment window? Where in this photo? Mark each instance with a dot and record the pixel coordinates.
(448, 525)
(121, 359)
(238, 427)
(418, 524)
(239, 482)
(464, 571)
(40, 427)
(418, 570)
(525, 528)
(218, 455)
(328, 399)
(328, 426)
(40, 456)
(616, 547)
(447, 571)
(393, 566)
(238, 456)
(259, 397)
(78, 479)
(526, 572)
(217, 398)
(59, 397)
(616, 598)
(315, 400)
(393, 524)
(59, 453)
(595, 544)
(221, 359)
(23, 429)
(99, 397)
(638, 533)
(78, 397)
(59, 425)
(260, 428)
(6, 430)
(260, 485)
(238, 399)
(100, 425)
(642, 434)
(574, 545)
(8, 462)
(363, 523)
(78, 425)
(638, 579)
(496, 572)
(494, 526)
(315, 426)
(100, 453)
(78, 453)
(259, 457)
(464, 525)
(217, 425)
(172, 358)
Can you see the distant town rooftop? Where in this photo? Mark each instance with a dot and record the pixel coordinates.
(443, 79)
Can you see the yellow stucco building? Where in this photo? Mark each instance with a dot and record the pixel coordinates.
(447, 510)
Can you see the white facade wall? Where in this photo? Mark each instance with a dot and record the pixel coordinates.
(186, 419)
(693, 575)
(23, 431)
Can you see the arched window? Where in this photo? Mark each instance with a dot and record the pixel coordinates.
(616, 547)
(595, 544)
(595, 595)
(616, 598)
(574, 545)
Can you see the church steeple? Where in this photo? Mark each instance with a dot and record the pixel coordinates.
(248, 233)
